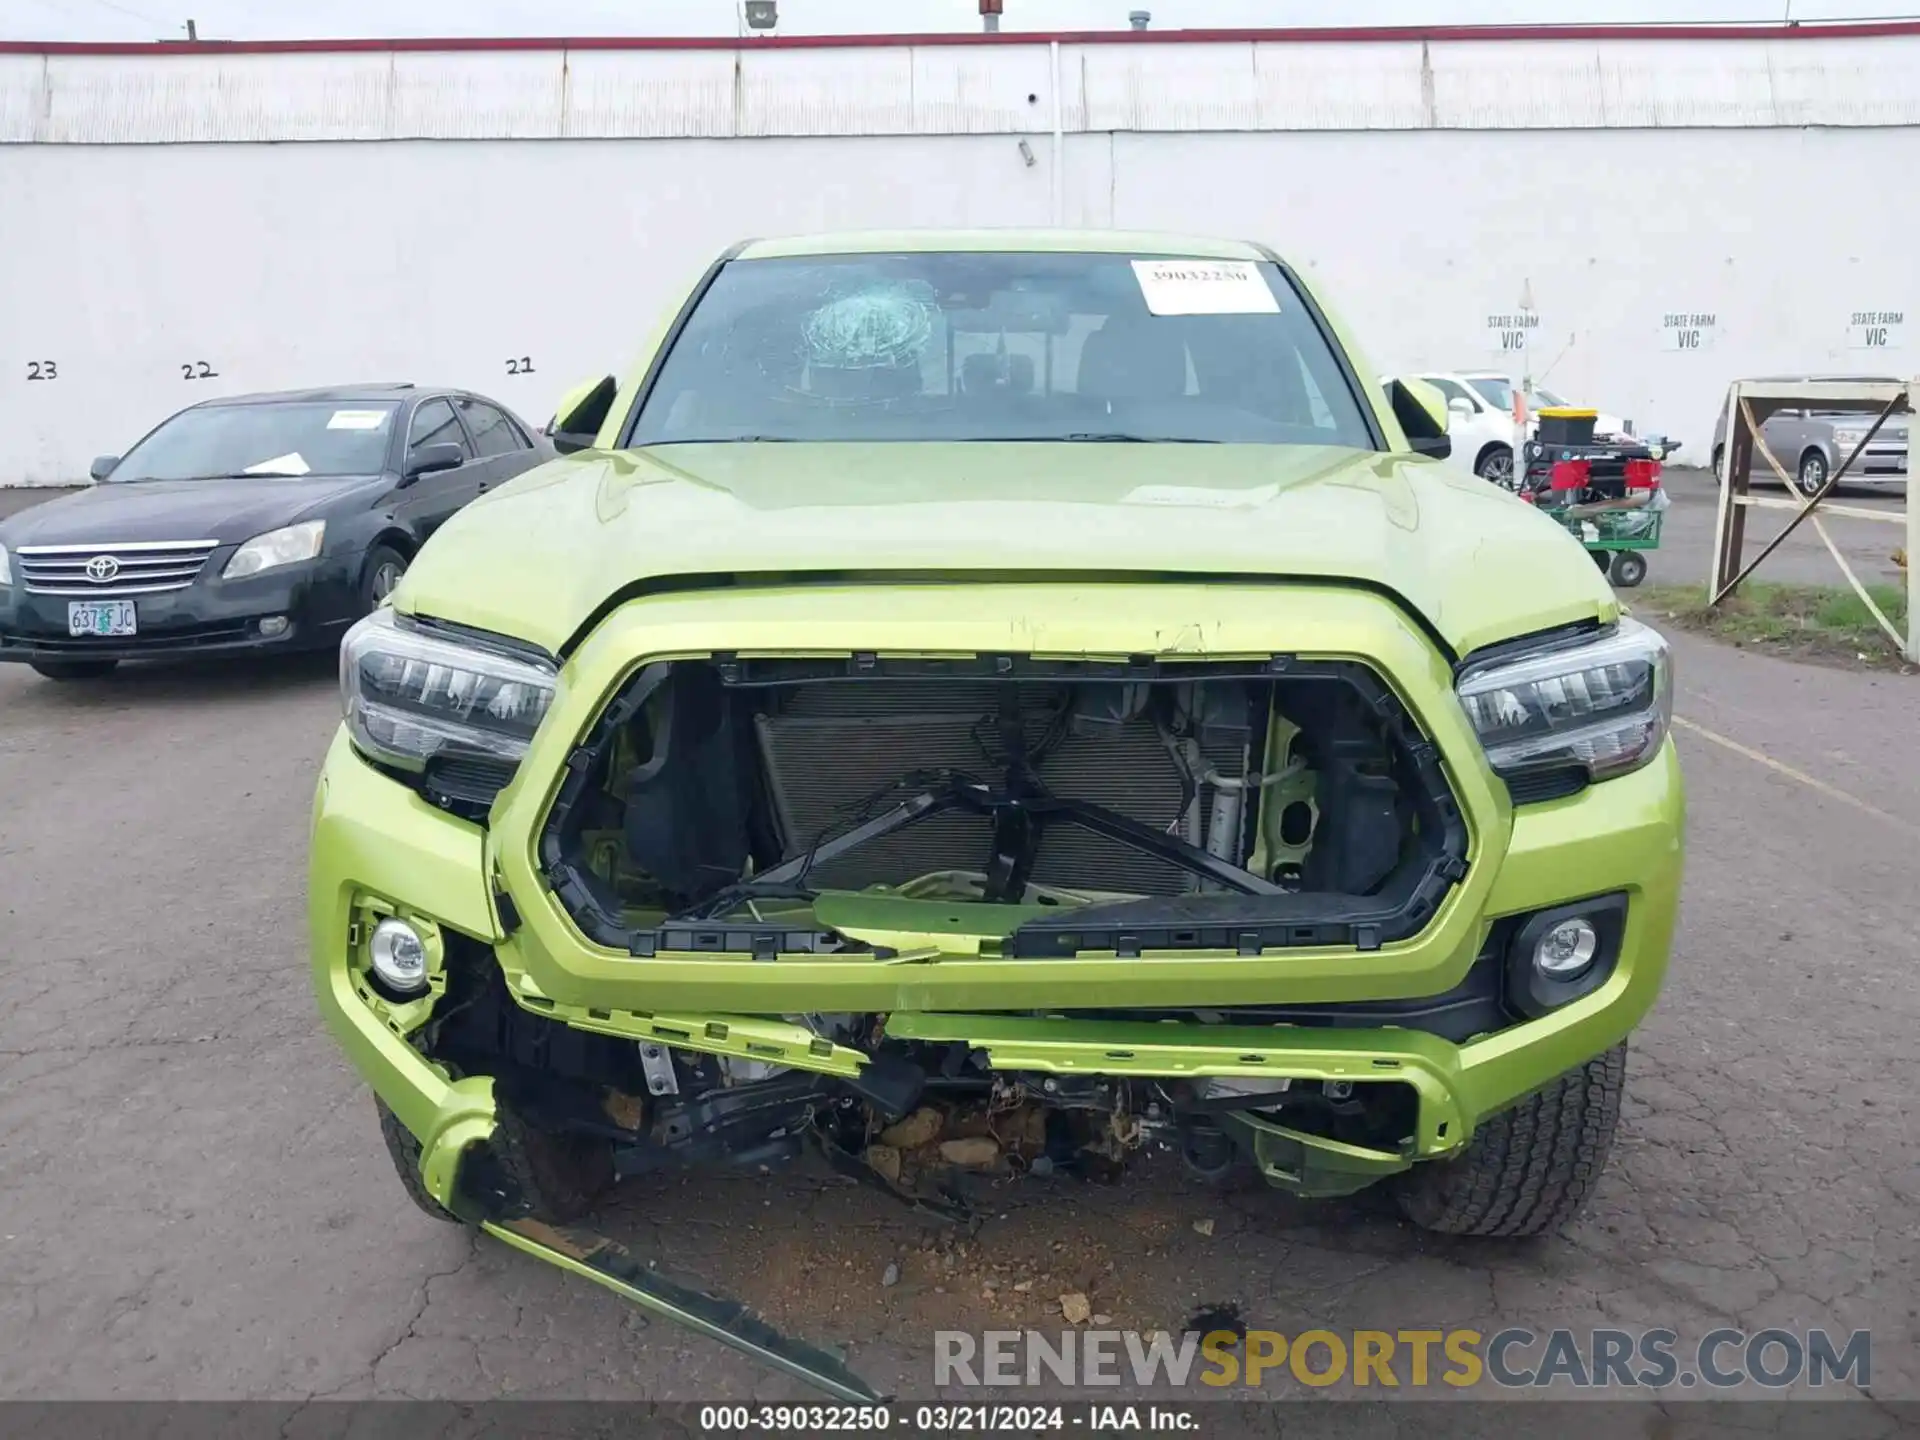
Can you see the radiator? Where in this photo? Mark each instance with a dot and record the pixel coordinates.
(830, 746)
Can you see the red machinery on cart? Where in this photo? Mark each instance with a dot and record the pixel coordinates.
(1608, 496)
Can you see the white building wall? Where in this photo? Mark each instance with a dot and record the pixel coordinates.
(305, 217)
(1780, 235)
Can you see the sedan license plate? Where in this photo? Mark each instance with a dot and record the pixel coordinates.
(101, 617)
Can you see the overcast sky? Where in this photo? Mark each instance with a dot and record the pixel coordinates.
(142, 20)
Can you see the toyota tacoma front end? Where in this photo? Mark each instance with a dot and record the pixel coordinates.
(923, 734)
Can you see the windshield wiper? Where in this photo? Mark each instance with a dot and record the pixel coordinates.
(1120, 437)
(236, 475)
(1089, 437)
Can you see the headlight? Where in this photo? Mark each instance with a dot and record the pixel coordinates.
(275, 548)
(6, 567)
(411, 696)
(1603, 705)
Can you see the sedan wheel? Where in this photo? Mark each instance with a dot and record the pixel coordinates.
(1813, 472)
(1497, 466)
(385, 566)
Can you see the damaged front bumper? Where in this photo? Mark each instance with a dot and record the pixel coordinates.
(610, 1264)
(379, 848)
(378, 844)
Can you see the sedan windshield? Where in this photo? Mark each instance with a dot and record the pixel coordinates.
(1002, 346)
(276, 438)
(1495, 391)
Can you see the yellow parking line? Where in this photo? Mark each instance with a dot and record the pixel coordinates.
(1832, 792)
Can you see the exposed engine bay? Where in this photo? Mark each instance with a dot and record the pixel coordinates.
(1192, 806)
(730, 805)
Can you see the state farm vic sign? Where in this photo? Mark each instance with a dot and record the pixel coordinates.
(1510, 332)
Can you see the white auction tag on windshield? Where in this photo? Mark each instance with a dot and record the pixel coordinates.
(357, 420)
(1205, 287)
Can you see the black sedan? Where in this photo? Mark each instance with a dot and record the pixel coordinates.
(261, 522)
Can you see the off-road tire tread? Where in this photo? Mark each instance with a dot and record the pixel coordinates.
(1527, 1170)
(405, 1151)
(562, 1177)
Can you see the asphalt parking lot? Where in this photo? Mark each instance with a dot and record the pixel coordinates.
(195, 1203)
(1686, 552)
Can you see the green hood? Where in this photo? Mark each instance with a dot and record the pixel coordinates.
(536, 558)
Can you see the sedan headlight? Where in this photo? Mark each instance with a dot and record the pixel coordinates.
(411, 695)
(1603, 705)
(286, 546)
(1847, 439)
(6, 567)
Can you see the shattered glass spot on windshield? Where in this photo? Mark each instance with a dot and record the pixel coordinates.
(880, 326)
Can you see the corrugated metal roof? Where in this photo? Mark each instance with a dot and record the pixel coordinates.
(500, 92)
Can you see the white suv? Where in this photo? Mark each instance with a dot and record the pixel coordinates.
(1480, 414)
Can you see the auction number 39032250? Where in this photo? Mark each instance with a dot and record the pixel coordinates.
(798, 1419)
(808, 1419)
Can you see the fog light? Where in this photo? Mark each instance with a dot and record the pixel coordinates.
(399, 956)
(1567, 949)
(273, 625)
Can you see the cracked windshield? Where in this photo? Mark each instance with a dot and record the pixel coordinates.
(1002, 347)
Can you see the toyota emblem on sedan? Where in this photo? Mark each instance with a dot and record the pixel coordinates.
(102, 568)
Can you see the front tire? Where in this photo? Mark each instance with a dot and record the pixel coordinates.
(73, 669)
(1813, 472)
(562, 1177)
(404, 1151)
(1528, 1170)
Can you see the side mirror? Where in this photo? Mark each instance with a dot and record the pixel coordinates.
(581, 413)
(426, 459)
(1422, 412)
(103, 466)
(1461, 406)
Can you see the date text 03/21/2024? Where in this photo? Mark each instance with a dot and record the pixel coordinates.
(944, 1419)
